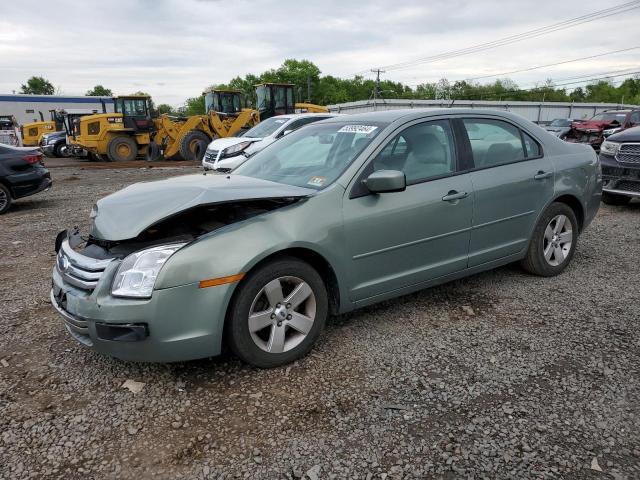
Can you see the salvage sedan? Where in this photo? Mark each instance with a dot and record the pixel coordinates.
(340, 214)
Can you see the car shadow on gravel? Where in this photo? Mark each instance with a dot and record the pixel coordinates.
(26, 206)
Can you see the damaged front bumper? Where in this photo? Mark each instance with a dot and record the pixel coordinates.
(176, 324)
(593, 138)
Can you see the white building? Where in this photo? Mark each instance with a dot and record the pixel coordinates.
(27, 108)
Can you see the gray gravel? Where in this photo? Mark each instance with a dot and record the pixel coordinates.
(501, 375)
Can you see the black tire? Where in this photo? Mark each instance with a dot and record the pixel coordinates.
(60, 150)
(194, 145)
(615, 199)
(5, 199)
(122, 149)
(153, 152)
(535, 261)
(239, 337)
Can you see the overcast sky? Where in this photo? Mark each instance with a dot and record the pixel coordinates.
(173, 49)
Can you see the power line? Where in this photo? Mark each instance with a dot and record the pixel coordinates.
(572, 22)
(550, 64)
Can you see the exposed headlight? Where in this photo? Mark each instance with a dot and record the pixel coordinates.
(611, 131)
(235, 149)
(609, 148)
(137, 273)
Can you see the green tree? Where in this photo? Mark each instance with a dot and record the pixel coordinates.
(165, 108)
(37, 86)
(194, 106)
(99, 91)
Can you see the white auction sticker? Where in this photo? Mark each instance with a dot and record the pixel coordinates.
(357, 129)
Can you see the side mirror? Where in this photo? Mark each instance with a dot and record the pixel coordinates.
(286, 132)
(384, 181)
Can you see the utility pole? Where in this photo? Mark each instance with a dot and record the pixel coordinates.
(308, 88)
(376, 89)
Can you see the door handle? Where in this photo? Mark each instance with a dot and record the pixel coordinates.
(453, 196)
(541, 175)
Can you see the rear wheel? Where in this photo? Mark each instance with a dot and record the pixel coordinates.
(5, 199)
(615, 199)
(122, 149)
(193, 145)
(278, 313)
(553, 242)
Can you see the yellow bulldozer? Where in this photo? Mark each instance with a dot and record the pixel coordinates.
(130, 131)
(32, 132)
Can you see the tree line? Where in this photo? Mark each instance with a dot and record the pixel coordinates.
(313, 87)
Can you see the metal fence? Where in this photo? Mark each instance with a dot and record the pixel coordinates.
(539, 112)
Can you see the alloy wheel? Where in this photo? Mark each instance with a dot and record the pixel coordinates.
(3, 199)
(282, 314)
(558, 239)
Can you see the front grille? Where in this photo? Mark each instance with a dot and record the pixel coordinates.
(629, 153)
(79, 270)
(211, 156)
(628, 186)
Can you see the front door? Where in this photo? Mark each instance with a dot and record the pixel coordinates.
(512, 181)
(396, 240)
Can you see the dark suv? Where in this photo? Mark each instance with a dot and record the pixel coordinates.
(601, 125)
(620, 160)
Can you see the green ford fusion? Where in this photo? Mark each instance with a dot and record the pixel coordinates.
(339, 214)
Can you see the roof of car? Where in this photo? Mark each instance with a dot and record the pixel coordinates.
(388, 116)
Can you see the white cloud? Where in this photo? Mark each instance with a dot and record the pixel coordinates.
(173, 49)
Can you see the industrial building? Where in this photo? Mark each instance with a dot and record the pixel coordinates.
(27, 108)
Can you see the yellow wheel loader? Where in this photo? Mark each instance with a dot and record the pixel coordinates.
(187, 138)
(119, 136)
(32, 132)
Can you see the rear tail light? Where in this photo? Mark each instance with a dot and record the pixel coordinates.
(31, 159)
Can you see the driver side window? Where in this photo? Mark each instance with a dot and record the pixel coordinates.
(422, 151)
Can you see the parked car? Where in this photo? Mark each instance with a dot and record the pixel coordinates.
(225, 154)
(22, 173)
(340, 214)
(54, 144)
(595, 130)
(10, 131)
(620, 160)
(559, 126)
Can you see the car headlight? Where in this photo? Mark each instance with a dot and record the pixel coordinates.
(235, 149)
(611, 131)
(609, 148)
(136, 275)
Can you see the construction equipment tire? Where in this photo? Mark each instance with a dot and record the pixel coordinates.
(122, 149)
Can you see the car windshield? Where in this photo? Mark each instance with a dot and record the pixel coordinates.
(266, 127)
(312, 157)
(609, 117)
(560, 122)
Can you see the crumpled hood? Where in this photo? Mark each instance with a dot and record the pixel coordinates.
(125, 214)
(595, 125)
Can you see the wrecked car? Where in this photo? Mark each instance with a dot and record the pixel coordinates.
(620, 160)
(340, 214)
(596, 129)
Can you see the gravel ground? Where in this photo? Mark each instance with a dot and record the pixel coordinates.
(500, 375)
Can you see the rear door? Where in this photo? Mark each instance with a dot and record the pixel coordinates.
(512, 181)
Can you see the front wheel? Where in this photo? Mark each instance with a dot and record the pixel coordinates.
(122, 149)
(553, 242)
(278, 313)
(615, 199)
(194, 145)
